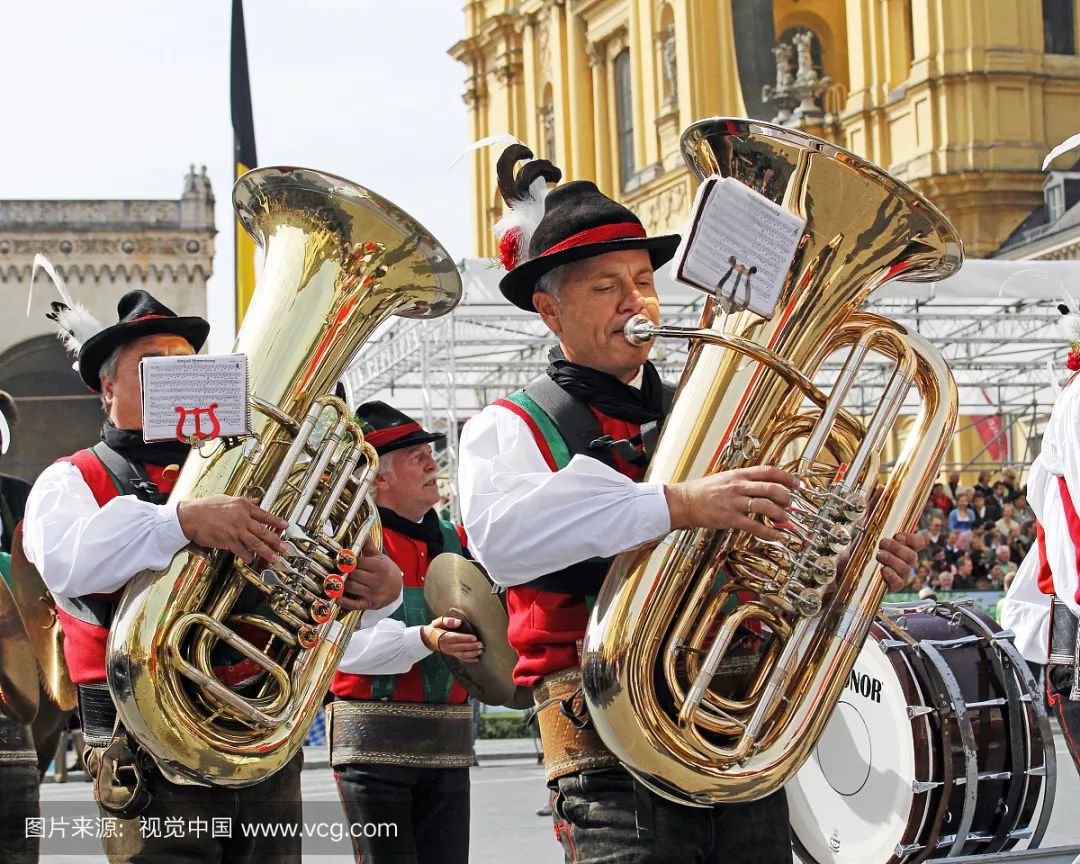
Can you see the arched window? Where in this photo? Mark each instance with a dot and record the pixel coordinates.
(624, 116)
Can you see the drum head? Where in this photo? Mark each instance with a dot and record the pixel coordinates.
(853, 799)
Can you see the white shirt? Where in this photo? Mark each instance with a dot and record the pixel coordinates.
(387, 648)
(524, 520)
(80, 548)
(1027, 610)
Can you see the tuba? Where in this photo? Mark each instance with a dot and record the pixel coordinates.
(338, 261)
(713, 659)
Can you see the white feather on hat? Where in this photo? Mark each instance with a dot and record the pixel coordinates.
(74, 322)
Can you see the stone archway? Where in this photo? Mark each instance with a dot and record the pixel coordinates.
(57, 413)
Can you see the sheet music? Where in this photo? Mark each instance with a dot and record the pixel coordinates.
(201, 395)
(729, 220)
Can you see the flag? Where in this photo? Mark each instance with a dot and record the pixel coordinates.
(992, 435)
(243, 154)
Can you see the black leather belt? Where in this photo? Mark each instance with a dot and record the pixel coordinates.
(16, 744)
(97, 713)
(1064, 643)
(416, 734)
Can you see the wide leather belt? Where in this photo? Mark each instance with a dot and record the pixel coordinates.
(1065, 643)
(97, 714)
(416, 734)
(16, 744)
(570, 744)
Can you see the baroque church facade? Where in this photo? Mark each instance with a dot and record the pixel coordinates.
(959, 98)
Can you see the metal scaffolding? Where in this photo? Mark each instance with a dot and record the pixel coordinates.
(444, 371)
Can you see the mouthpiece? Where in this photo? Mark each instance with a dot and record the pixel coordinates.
(638, 330)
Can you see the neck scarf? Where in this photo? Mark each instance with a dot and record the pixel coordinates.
(129, 444)
(608, 394)
(426, 530)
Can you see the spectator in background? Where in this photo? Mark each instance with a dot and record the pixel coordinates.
(940, 499)
(1027, 536)
(978, 507)
(1007, 522)
(940, 564)
(999, 499)
(1003, 560)
(954, 484)
(962, 518)
(953, 549)
(1008, 477)
(983, 485)
(979, 559)
(1022, 511)
(995, 579)
(944, 581)
(965, 580)
(930, 512)
(934, 536)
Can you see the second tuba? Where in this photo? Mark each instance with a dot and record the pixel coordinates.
(713, 659)
(338, 261)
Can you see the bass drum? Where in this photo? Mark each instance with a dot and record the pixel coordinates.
(939, 746)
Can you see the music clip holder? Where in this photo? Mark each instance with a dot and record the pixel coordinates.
(728, 302)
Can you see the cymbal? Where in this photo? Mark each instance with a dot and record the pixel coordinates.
(18, 671)
(459, 588)
(38, 610)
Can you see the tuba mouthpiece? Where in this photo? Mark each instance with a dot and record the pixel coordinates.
(638, 330)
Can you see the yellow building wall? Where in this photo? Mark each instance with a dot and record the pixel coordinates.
(956, 97)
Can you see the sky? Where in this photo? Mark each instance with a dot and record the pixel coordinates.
(115, 99)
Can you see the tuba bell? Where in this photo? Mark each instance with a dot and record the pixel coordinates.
(338, 261)
(713, 659)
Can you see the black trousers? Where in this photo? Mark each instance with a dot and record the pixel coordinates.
(406, 815)
(20, 782)
(604, 817)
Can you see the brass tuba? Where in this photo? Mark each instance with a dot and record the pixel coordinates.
(339, 260)
(675, 679)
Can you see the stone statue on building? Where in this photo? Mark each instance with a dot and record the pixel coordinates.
(671, 67)
(798, 82)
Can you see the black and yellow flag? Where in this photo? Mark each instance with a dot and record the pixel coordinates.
(243, 154)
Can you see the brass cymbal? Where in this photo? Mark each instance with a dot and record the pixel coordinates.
(38, 610)
(18, 671)
(458, 587)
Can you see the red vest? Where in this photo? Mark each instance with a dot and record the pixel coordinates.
(84, 643)
(411, 555)
(547, 629)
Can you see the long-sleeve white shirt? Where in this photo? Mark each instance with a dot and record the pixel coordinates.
(388, 648)
(524, 520)
(1026, 610)
(80, 548)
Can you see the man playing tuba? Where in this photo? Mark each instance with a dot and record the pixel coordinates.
(98, 517)
(549, 490)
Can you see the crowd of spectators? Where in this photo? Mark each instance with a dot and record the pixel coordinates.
(976, 536)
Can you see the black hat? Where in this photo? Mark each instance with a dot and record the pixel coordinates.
(139, 315)
(580, 222)
(387, 429)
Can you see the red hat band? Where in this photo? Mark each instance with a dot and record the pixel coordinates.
(382, 437)
(600, 234)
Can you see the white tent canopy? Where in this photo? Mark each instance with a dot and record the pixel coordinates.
(994, 321)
